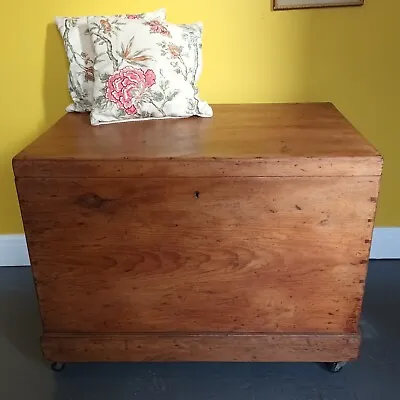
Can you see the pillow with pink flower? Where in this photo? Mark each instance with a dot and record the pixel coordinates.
(79, 49)
(146, 70)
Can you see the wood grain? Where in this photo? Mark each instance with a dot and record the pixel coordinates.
(285, 167)
(244, 237)
(240, 140)
(249, 254)
(252, 347)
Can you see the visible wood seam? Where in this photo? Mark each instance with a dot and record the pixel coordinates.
(199, 176)
(194, 334)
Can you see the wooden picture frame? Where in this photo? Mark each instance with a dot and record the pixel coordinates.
(299, 4)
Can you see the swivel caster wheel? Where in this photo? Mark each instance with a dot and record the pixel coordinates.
(335, 367)
(57, 366)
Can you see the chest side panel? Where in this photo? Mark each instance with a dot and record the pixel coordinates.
(201, 254)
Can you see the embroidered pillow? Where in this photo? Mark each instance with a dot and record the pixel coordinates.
(145, 70)
(79, 48)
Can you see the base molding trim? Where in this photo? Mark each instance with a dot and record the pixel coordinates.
(201, 347)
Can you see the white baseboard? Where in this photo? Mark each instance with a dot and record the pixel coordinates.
(14, 252)
(385, 243)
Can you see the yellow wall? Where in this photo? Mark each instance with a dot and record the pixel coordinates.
(350, 56)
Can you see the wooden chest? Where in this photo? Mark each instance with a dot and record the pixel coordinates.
(244, 237)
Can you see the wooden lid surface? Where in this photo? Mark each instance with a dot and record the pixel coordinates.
(240, 140)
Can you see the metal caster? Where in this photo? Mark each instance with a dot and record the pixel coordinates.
(57, 366)
(335, 367)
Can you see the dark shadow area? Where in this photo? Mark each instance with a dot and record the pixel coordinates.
(20, 323)
(26, 375)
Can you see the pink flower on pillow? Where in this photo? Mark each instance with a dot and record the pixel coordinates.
(158, 27)
(127, 87)
(134, 16)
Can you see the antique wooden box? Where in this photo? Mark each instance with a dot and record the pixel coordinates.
(244, 237)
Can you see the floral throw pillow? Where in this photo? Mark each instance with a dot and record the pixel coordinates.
(79, 48)
(146, 70)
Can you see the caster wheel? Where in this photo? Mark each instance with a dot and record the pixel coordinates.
(335, 367)
(57, 366)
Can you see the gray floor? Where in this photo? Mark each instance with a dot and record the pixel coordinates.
(376, 376)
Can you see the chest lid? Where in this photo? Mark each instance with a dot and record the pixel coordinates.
(240, 140)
